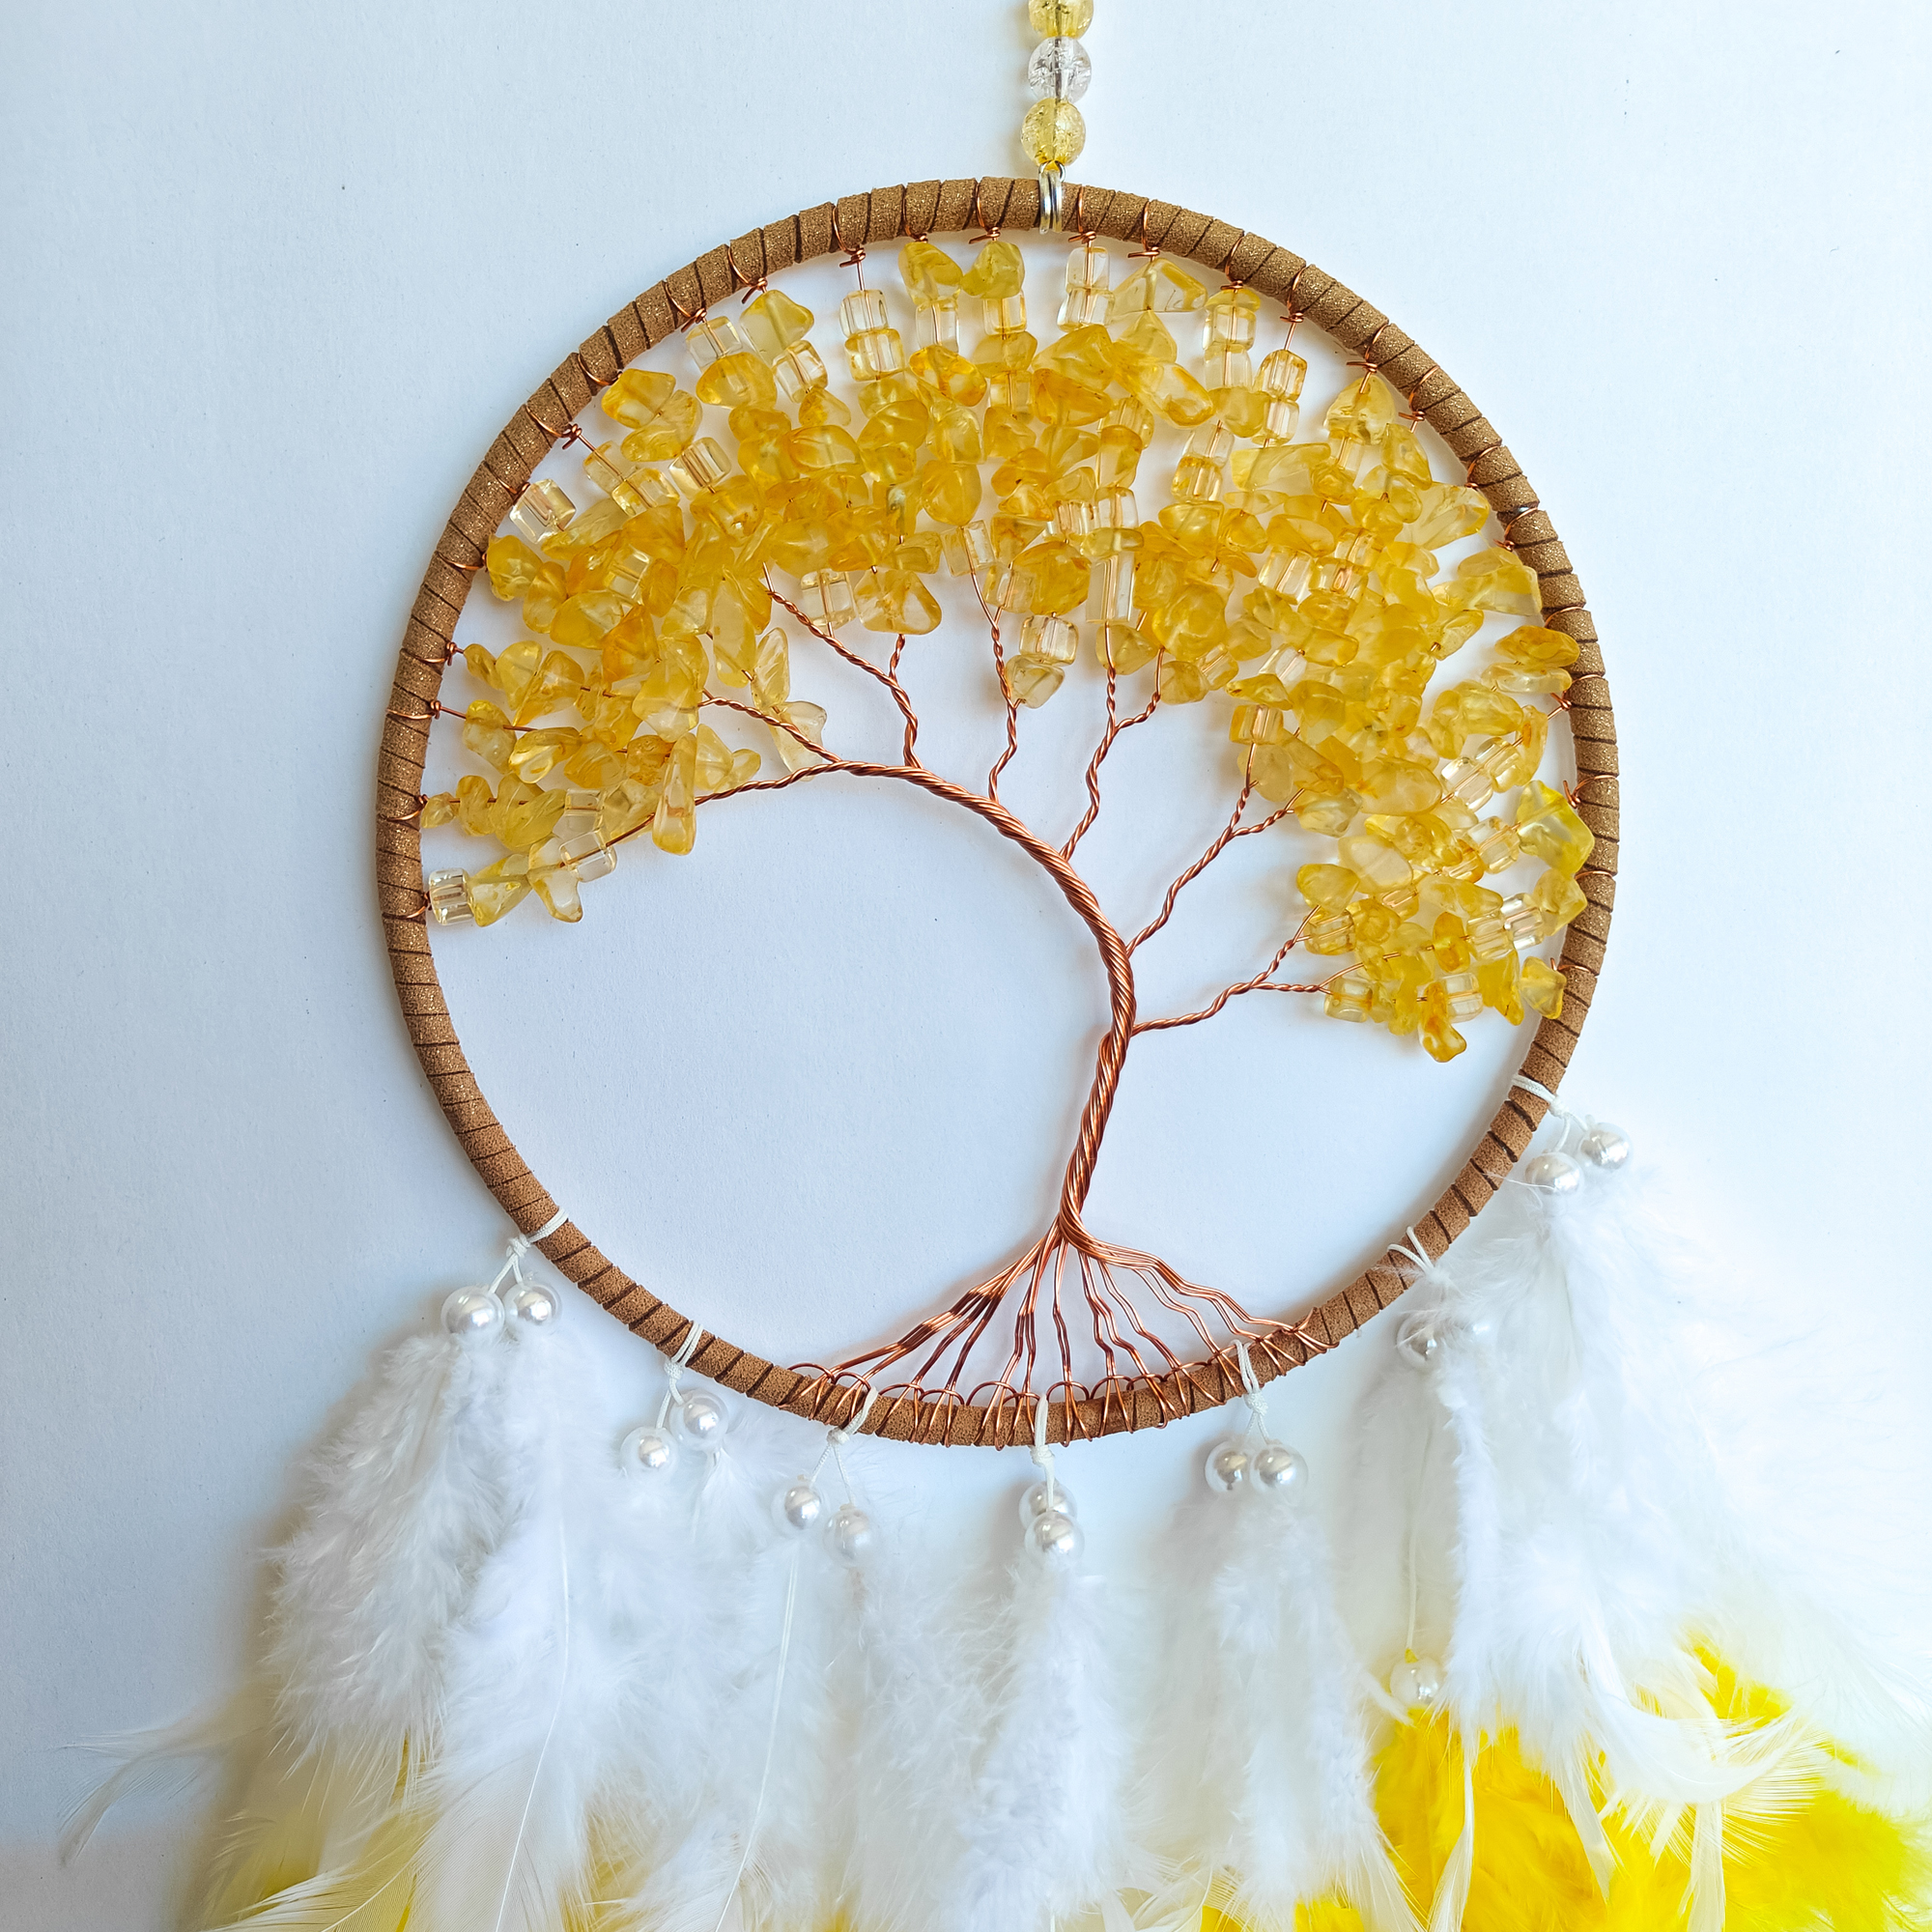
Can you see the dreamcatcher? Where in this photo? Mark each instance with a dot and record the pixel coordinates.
(526, 1671)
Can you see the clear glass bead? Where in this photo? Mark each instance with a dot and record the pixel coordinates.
(1059, 69)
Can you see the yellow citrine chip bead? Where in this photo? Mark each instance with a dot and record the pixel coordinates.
(1543, 987)
(1053, 133)
(1550, 829)
(1330, 887)
(1538, 648)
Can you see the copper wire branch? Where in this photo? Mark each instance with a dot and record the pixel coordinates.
(1263, 981)
(889, 677)
(1226, 836)
(1114, 727)
(1068, 1279)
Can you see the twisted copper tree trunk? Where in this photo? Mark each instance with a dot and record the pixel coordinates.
(1079, 895)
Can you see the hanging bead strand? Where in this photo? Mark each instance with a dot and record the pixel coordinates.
(1059, 72)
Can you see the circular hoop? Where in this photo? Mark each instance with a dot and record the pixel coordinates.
(891, 214)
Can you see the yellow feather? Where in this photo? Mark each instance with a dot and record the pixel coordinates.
(1799, 1855)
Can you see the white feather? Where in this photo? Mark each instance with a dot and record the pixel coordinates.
(1047, 1833)
(1274, 1791)
(911, 1748)
(400, 1510)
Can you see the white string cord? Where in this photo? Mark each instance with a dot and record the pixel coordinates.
(519, 1245)
(1042, 1455)
(674, 1368)
(837, 1439)
(1545, 1094)
(1251, 1387)
(1416, 1251)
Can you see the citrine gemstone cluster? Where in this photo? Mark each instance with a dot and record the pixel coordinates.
(1294, 580)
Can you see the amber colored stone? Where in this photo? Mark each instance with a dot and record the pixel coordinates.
(1543, 987)
(1550, 829)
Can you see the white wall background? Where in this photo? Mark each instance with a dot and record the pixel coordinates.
(275, 277)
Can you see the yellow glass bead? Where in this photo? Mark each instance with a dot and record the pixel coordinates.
(542, 510)
(738, 381)
(1550, 829)
(1053, 133)
(800, 371)
(1258, 725)
(1350, 997)
(1461, 996)
(1329, 934)
(514, 567)
(439, 809)
(701, 467)
(1004, 315)
(1228, 322)
(1327, 812)
(1467, 783)
(1088, 277)
(448, 895)
(1052, 638)
(1060, 19)
(825, 596)
(876, 353)
(712, 336)
(966, 550)
(1543, 987)
(936, 324)
(1330, 887)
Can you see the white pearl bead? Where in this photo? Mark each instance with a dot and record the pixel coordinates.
(1416, 1684)
(850, 1534)
(1034, 1503)
(1552, 1172)
(472, 1313)
(1227, 1467)
(646, 1452)
(701, 1419)
(1278, 1472)
(1605, 1145)
(535, 1306)
(1056, 1538)
(1418, 1339)
(800, 1507)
